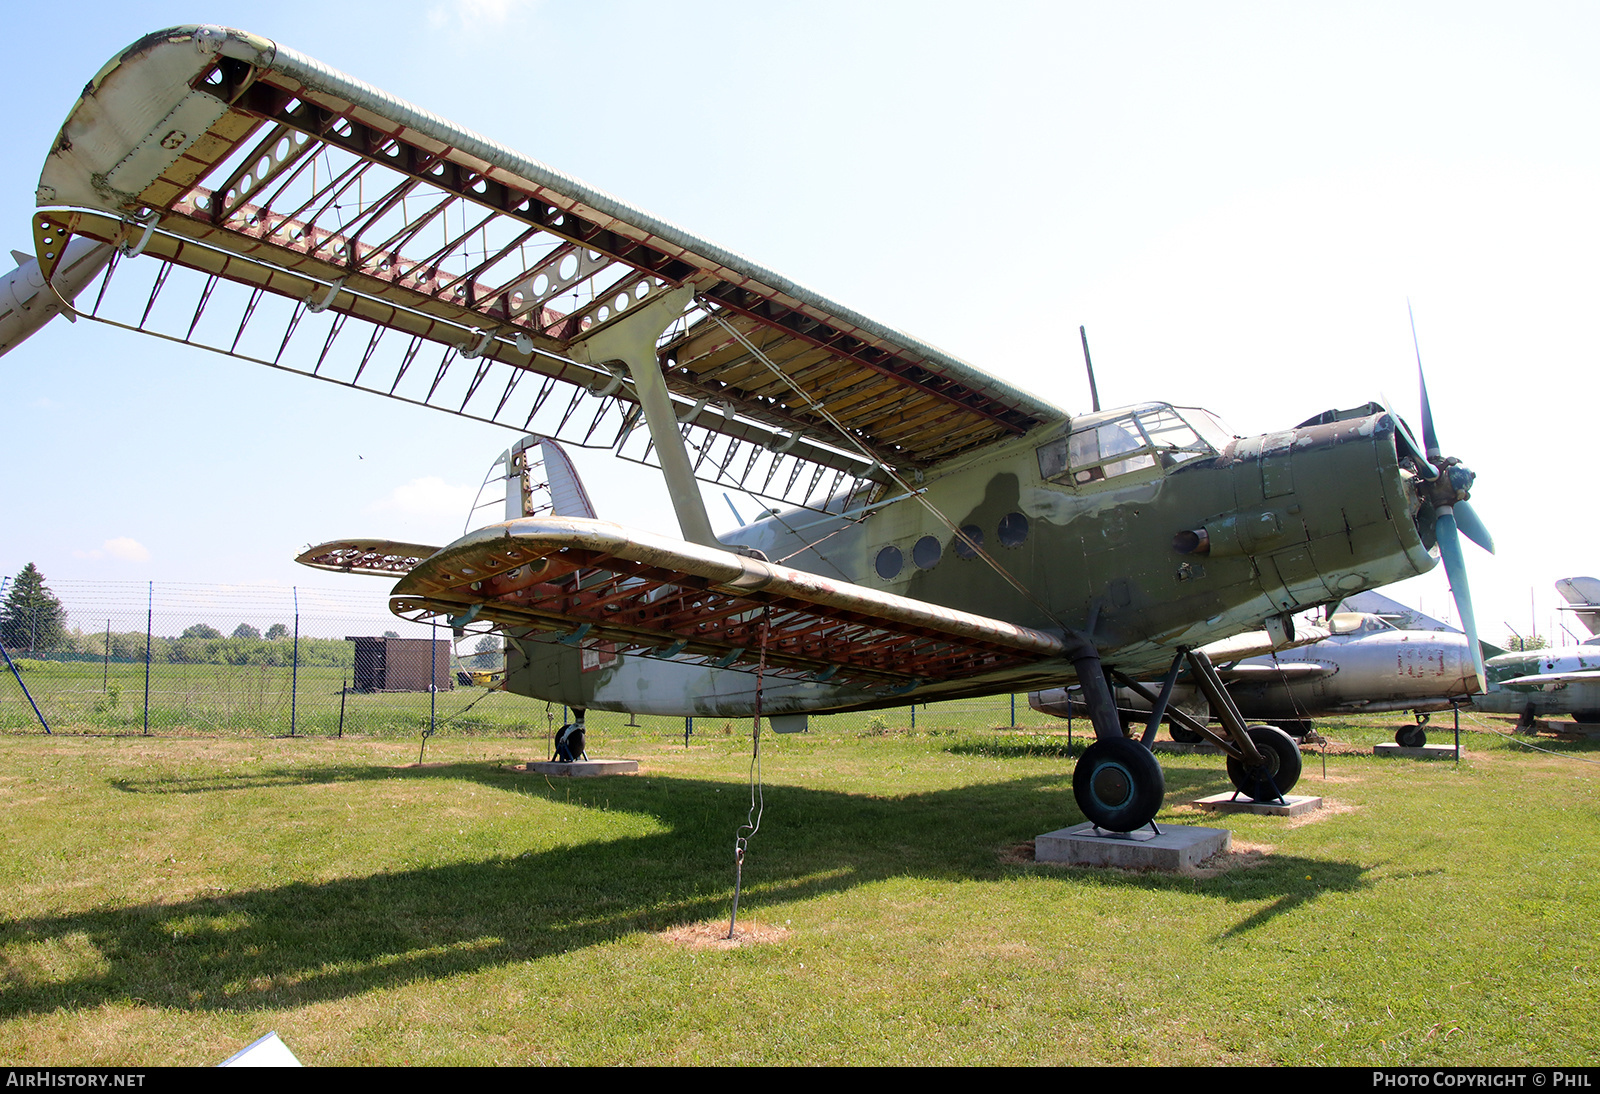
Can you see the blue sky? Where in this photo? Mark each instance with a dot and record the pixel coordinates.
(1235, 199)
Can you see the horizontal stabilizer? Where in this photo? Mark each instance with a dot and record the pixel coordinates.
(378, 557)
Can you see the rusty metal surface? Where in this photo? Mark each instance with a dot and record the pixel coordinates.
(377, 557)
(597, 581)
(226, 153)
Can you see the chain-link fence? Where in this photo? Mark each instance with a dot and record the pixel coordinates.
(174, 658)
(169, 658)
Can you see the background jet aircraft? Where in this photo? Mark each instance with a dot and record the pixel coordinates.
(1553, 681)
(940, 532)
(1365, 665)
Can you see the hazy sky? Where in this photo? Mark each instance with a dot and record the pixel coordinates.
(1235, 199)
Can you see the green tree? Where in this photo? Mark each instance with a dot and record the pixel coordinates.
(277, 631)
(245, 630)
(32, 618)
(201, 630)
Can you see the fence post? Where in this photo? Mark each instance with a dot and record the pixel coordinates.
(149, 625)
(294, 667)
(1013, 710)
(105, 676)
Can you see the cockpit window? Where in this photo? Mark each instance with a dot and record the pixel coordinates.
(1153, 435)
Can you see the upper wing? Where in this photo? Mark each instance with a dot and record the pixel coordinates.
(225, 153)
(597, 581)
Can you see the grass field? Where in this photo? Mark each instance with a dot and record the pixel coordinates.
(168, 900)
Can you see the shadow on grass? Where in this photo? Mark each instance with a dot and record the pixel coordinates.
(306, 941)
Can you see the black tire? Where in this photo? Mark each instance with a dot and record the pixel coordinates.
(1183, 736)
(1119, 785)
(1282, 768)
(1586, 717)
(1410, 737)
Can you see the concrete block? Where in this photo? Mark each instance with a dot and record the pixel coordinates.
(1426, 752)
(1178, 847)
(580, 769)
(1228, 803)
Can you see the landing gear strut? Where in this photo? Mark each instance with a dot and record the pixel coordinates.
(1118, 784)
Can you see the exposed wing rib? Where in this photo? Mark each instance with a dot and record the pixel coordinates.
(377, 557)
(595, 580)
(305, 176)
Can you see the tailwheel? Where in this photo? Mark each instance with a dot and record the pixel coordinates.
(1118, 784)
(1274, 778)
(1410, 737)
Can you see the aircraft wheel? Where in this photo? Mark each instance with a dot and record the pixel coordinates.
(1118, 784)
(1280, 772)
(1410, 736)
(1183, 736)
(1586, 717)
(1295, 727)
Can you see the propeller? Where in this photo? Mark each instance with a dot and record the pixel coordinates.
(1446, 485)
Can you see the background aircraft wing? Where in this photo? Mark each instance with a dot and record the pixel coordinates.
(1265, 674)
(1551, 679)
(226, 154)
(591, 580)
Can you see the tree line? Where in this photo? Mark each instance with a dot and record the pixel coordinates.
(33, 623)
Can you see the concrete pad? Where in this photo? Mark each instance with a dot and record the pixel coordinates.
(580, 769)
(1296, 804)
(1176, 748)
(1178, 847)
(1426, 752)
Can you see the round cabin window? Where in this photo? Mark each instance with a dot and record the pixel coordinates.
(889, 563)
(965, 549)
(926, 553)
(1013, 530)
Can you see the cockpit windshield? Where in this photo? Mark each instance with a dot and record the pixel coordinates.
(1154, 435)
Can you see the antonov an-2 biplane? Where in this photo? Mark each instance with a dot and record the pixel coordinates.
(936, 533)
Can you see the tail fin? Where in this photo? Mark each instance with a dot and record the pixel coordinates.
(1583, 598)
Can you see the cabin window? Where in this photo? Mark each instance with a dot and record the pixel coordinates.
(1154, 435)
(926, 553)
(973, 533)
(1013, 530)
(889, 563)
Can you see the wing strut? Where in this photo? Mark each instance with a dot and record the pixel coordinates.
(632, 340)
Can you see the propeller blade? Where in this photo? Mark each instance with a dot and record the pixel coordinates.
(1472, 526)
(1456, 567)
(1429, 437)
(1407, 441)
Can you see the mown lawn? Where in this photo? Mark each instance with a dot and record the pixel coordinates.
(170, 900)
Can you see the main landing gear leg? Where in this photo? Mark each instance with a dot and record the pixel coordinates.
(1117, 783)
(1263, 762)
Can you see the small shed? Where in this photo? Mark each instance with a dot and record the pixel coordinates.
(401, 664)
